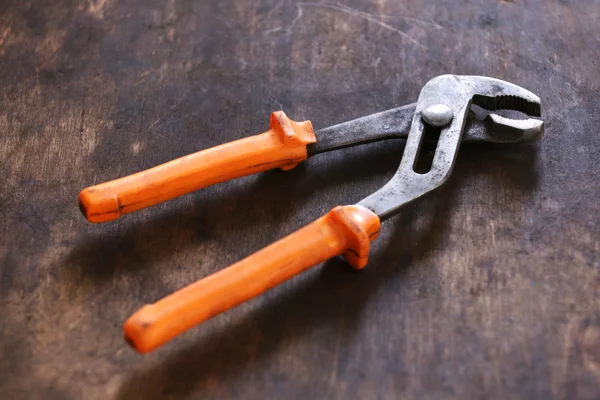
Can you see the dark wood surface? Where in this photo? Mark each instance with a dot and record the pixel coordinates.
(488, 289)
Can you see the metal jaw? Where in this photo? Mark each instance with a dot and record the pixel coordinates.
(453, 94)
(395, 124)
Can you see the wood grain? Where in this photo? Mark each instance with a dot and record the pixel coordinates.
(488, 289)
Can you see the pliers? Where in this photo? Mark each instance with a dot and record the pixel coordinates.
(443, 112)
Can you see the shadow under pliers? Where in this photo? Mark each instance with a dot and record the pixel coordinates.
(450, 110)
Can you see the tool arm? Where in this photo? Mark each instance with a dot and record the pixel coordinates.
(346, 230)
(283, 146)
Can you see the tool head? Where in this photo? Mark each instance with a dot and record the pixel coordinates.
(443, 105)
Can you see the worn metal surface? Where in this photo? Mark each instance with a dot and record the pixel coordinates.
(457, 93)
(488, 289)
(395, 124)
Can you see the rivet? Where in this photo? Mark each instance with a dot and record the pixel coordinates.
(438, 115)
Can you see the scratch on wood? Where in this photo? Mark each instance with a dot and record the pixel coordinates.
(141, 115)
(37, 77)
(161, 117)
(567, 348)
(334, 367)
(136, 147)
(404, 17)
(372, 18)
(354, 13)
(82, 114)
(590, 348)
(96, 8)
(3, 38)
(288, 31)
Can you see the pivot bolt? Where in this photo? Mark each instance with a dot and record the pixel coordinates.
(438, 115)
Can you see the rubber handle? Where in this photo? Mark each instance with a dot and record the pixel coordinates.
(346, 230)
(283, 146)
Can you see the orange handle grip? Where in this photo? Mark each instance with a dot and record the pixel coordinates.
(344, 230)
(283, 146)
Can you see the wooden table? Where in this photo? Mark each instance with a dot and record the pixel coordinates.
(489, 289)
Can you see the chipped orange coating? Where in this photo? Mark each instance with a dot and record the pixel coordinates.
(283, 146)
(346, 230)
